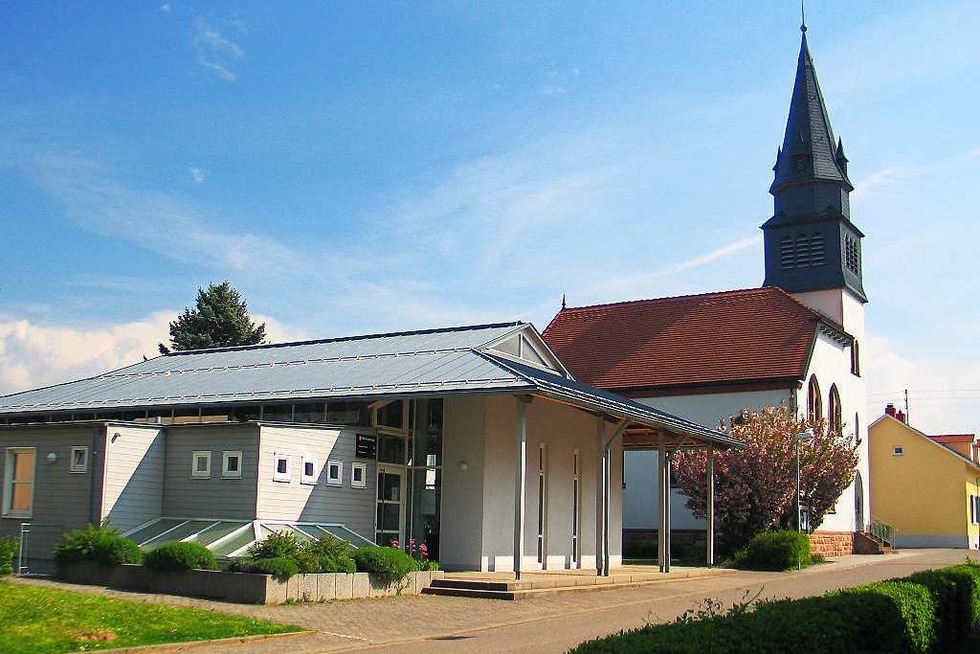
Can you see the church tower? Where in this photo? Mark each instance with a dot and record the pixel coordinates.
(812, 249)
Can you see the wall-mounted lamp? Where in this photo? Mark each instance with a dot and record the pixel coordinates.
(52, 457)
(463, 465)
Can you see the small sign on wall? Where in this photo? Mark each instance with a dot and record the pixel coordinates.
(366, 446)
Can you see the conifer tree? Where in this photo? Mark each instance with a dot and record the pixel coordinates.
(219, 319)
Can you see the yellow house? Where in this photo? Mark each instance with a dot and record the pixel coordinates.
(928, 488)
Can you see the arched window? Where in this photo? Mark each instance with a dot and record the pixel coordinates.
(834, 411)
(855, 359)
(814, 403)
(857, 428)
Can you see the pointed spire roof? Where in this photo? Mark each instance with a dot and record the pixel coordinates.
(809, 152)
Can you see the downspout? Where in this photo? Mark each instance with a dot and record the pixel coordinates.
(606, 492)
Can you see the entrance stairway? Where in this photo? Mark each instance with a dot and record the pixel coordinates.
(878, 538)
(502, 585)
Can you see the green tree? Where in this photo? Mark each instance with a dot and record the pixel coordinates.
(755, 488)
(220, 319)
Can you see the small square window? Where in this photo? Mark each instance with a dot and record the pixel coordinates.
(335, 473)
(79, 459)
(201, 465)
(231, 465)
(283, 470)
(898, 450)
(310, 471)
(358, 475)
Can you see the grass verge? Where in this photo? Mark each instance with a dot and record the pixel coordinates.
(42, 620)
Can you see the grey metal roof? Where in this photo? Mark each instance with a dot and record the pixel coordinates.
(430, 362)
(433, 361)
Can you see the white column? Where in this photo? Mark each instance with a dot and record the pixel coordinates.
(664, 563)
(599, 495)
(711, 504)
(520, 479)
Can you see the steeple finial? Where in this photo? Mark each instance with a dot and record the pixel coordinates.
(803, 16)
(562, 300)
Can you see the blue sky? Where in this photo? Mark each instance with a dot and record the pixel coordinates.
(361, 167)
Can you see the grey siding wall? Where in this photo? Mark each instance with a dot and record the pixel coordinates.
(62, 500)
(461, 523)
(213, 497)
(132, 489)
(319, 502)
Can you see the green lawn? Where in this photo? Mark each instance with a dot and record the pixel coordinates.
(34, 619)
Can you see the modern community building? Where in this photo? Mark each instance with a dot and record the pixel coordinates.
(474, 440)
(793, 342)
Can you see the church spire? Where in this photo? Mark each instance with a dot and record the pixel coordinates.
(809, 151)
(810, 242)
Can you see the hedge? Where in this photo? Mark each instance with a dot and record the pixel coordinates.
(103, 545)
(776, 550)
(8, 549)
(388, 564)
(926, 612)
(180, 556)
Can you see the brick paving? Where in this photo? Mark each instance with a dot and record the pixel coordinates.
(548, 623)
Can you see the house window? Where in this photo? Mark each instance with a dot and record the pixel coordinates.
(79, 459)
(335, 473)
(542, 501)
(310, 471)
(358, 475)
(576, 505)
(814, 403)
(834, 411)
(231, 465)
(898, 450)
(201, 465)
(283, 468)
(857, 428)
(855, 359)
(18, 487)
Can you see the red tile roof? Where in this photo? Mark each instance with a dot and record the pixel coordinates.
(954, 438)
(754, 335)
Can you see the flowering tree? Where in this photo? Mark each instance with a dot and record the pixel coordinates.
(755, 488)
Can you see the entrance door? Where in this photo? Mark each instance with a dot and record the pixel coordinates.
(390, 523)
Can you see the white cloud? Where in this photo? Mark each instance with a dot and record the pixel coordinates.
(197, 174)
(164, 8)
(34, 355)
(943, 394)
(553, 89)
(97, 198)
(216, 53)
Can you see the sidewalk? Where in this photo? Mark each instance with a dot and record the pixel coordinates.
(552, 623)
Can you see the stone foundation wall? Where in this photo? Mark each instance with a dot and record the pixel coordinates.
(245, 588)
(832, 543)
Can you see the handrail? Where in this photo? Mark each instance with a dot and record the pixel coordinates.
(882, 532)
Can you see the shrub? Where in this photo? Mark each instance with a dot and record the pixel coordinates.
(281, 568)
(956, 592)
(103, 545)
(276, 546)
(388, 564)
(8, 549)
(886, 617)
(180, 556)
(325, 554)
(776, 550)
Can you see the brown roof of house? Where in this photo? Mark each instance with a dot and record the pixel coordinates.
(744, 336)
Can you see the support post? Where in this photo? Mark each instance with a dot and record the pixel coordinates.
(664, 562)
(606, 492)
(711, 504)
(520, 482)
(599, 495)
(668, 457)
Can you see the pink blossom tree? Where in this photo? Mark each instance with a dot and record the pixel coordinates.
(755, 488)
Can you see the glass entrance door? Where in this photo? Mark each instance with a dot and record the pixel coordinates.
(390, 523)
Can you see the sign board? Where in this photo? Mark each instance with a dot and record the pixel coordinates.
(366, 446)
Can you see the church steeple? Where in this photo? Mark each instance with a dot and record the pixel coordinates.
(810, 242)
